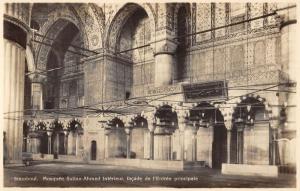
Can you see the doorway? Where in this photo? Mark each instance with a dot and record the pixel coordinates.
(44, 144)
(219, 147)
(93, 150)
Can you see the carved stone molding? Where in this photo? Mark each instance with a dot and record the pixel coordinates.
(37, 77)
(165, 46)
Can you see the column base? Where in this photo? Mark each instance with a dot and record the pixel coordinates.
(14, 163)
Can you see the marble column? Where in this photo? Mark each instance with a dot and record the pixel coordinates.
(76, 143)
(274, 124)
(194, 143)
(290, 65)
(128, 136)
(66, 142)
(49, 133)
(164, 60)
(27, 144)
(228, 125)
(240, 143)
(57, 143)
(107, 131)
(15, 39)
(274, 145)
(228, 145)
(37, 81)
(170, 146)
(151, 127)
(182, 126)
(79, 143)
(14, 72)
(72, 143)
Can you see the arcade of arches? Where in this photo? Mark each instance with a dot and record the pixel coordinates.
(98, 83)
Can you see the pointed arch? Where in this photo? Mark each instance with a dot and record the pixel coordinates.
(119, 19)
(30, 59)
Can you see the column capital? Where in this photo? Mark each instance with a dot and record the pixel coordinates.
(228, 124)
(65, 124)
(182, 116)
(164, 46)
(128, 130)
(37, 77)
(66, 133)
(274, 123)
(227, 113)
(107, 131)
(49, 133)
(151, 127)
(151, 120)
(181, 112)
(274, 118)
(194, 129)
(31, 123)
(49, 124)
(127, 120)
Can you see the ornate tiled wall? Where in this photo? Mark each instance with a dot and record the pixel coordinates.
(118, 79)
(202, 21)
(72, 86)
(93, 81)
(240, 53)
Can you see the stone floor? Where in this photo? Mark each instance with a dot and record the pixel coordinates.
(54, 174)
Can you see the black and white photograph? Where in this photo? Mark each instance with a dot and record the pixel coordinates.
(127, 94)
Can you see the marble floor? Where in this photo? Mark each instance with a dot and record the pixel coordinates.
(59, 174)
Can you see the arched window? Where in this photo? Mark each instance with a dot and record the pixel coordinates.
(136, 32)
(183, 42)
(63, 61)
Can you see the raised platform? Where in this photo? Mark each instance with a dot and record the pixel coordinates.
(61, 158)
(139, 163)
(151, 164)
(250, 170)
(17, 164)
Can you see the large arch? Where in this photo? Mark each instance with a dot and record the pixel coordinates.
(166, 124)
(264, 100)
(30, 59)
(182, 25)
(89, 19)
(99, 13)
(211, 135)
(187, 7)
(139, 138)
(251, 132)
(92, 22)
(52, 32)
(119, 19)
(59, 60)
(58, 139)
(117, 139)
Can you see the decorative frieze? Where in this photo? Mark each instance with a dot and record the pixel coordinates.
(257, 10)
(220, 19)
(271, 51)
(272, 19)
(203, 21)
(164, 12)
(259, 53)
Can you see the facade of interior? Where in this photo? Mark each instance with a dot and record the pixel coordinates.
(205, 83)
